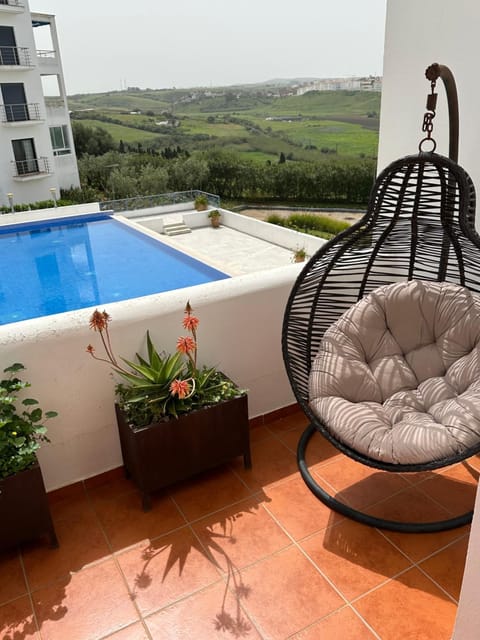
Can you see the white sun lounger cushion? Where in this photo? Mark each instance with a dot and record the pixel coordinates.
(397, 377)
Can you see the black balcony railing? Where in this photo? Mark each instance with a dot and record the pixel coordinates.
(23, 168)
(19, 112)
(15, 56)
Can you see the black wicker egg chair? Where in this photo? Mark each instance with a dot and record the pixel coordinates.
(419, 226)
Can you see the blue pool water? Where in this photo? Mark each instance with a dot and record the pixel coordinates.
(60, 265)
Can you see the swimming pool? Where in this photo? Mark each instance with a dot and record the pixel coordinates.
(49, 267)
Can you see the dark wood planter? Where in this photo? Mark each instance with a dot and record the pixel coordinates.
(24, 510)
(167, 452)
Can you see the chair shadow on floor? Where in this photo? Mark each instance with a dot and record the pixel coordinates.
(435, 496)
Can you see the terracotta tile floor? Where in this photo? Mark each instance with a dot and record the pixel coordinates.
(240, 553)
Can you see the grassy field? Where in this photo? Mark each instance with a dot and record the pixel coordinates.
(344, 123)
(118, 132)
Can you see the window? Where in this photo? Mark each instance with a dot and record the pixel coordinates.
(60, 140)
(14, 102)
(8, 46)
(25, 156)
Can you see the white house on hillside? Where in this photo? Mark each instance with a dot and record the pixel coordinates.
(37, 155)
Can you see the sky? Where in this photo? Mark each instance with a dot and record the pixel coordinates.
(113, 44)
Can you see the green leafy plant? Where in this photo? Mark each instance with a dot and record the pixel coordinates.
(201, 202)
(163, 386)
(215, 216)
(21, 430)
(299, 254)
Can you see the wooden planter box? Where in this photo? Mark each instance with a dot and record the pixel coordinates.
(24, 510)
(166, 452)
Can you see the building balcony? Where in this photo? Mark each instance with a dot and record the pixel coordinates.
(12, 6)
(31, 168)
(15, 57)
(19, 113)
(47, 61)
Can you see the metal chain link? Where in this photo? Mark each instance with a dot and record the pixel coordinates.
(427, 125)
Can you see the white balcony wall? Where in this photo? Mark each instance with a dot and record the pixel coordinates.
(240, 332)
(417, 35)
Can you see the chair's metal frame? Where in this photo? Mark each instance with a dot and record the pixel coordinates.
(420, 224)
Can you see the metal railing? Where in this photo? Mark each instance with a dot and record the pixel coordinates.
(11, 3)
(15, 56)
(162, 199)
(19, 112)
(24, 168)
(46, 53)
(54, 102)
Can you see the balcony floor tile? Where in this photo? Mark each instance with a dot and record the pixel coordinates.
(243, 553)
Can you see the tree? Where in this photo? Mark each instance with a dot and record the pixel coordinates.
(152, 180)
(94, 141)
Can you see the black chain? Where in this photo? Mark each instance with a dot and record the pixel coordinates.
(427, 125)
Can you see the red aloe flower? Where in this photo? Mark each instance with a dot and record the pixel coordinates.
(180, 388)
(186, 344)
(190, 323)
(91, 349)
(99, 320)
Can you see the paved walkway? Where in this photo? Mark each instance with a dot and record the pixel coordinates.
(230, 250)
(227, 249)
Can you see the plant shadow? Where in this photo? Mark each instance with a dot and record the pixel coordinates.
(211, 537)
(18, 620)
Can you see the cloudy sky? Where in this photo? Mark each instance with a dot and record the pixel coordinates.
(110, 44)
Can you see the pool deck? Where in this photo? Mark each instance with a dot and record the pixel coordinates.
(231, 251)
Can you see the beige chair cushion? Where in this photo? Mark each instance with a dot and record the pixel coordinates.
(397, 377)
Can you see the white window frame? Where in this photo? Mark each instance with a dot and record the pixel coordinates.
(66, 148)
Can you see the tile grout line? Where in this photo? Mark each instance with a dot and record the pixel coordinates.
(427, 557)
(225, 578)
(296, 634)
(348, 603)
(439, 586)
(29, 594)
(451, 513)
(118, 567)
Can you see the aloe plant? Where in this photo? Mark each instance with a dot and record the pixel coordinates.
(163, 386)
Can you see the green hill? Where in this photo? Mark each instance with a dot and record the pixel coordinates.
(249, 120)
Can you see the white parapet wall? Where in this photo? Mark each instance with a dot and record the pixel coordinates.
(275, 234)
(240, 332)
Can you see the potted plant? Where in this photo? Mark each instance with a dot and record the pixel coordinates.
(299, 254)
(215, 216)
(201, 202)
(175, 418)
(24, 510)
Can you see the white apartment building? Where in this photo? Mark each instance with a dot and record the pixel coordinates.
(37, 154)
(365, 83)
